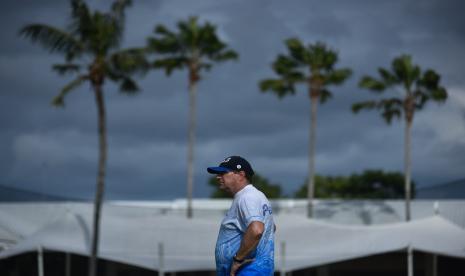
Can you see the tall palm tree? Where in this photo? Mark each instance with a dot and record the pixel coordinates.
(313, 65)
(194, 47)
(90, 45)
(417, 89)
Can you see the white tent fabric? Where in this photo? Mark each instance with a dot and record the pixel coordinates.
(311, 243)
(132, 235)
(188, 244)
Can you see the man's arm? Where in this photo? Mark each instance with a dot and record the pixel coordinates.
(249, 242)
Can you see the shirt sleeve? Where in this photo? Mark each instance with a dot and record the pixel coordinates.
(251, 209)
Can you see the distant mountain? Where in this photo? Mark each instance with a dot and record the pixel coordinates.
(449, 190)
(10, 194)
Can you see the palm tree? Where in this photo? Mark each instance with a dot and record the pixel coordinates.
(313, 65)
(90, 46)
(194, 47)
(418, 89)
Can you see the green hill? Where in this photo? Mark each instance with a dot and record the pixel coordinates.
(449, 190)
(10, 194)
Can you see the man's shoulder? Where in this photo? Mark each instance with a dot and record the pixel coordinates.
(252, 194)
(251, 191)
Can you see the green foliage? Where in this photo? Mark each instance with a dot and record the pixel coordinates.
(51, 38)
(371, 184)
(313, 65)
(59, 99)
(269, 189)
(96, 35)
(63, 69)
(418, 88)
(373, 84)
(194, 46)
(280, 87)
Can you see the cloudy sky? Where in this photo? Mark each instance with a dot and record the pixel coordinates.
(55, 150)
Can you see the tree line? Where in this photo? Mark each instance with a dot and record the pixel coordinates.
(370, 184)
(91, 47)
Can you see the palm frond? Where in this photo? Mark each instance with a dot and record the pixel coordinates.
(430, 79)
(325, 95)
(391, 103)
(401, 66)
(428, 88)
(163, 31)
(193, 43)
(388, 78)
(79, 10)
(128, 86)
(129, 61)
(203, 41)
(372, 84)
(81, 19)
(338, 76)
(59, 99)
(284, 65)
(406, 71)
(439, 94)
(63, 69)
(420, 99)
(106, 34)
(388, 115)
(280, 87)
(165, 43)
(357, 107)
(406, 74)
(223, 56)
(296, 50)
(321, 57)
(51, 38)
(312, 64)
(189, 31)
(169, 64)
(206, 36)
(390, 108)
(119, 6)
(205, 66)
(118, 17)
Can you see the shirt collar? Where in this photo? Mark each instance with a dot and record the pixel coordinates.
(241, 191)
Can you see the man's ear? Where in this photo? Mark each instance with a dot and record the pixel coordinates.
(242, 173)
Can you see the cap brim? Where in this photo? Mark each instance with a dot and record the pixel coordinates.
(218, 170)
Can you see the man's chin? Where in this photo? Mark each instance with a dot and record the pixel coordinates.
(223, 188)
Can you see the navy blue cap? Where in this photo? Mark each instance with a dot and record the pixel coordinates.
(232, 163)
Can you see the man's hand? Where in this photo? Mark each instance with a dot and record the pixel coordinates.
(236, 265)
(249, 242)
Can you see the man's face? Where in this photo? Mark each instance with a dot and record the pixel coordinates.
(227, 180)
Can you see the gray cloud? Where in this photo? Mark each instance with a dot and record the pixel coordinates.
(55, 150)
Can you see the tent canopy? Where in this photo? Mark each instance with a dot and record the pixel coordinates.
(132, 235)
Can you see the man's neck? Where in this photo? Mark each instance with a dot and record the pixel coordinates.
(240, 187)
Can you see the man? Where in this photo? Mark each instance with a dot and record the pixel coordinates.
(245, 244)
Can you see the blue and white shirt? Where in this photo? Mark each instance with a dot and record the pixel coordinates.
(249, 205)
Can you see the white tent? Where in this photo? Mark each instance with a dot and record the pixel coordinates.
(187, 244)
(134, 235)
(312, 243)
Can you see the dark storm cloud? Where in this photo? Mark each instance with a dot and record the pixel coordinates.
(439, 17)
(55, 150)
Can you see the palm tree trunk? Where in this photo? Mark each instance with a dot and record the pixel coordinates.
(311, 156)
(407, 167)
(100, 178)
(190, 151)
